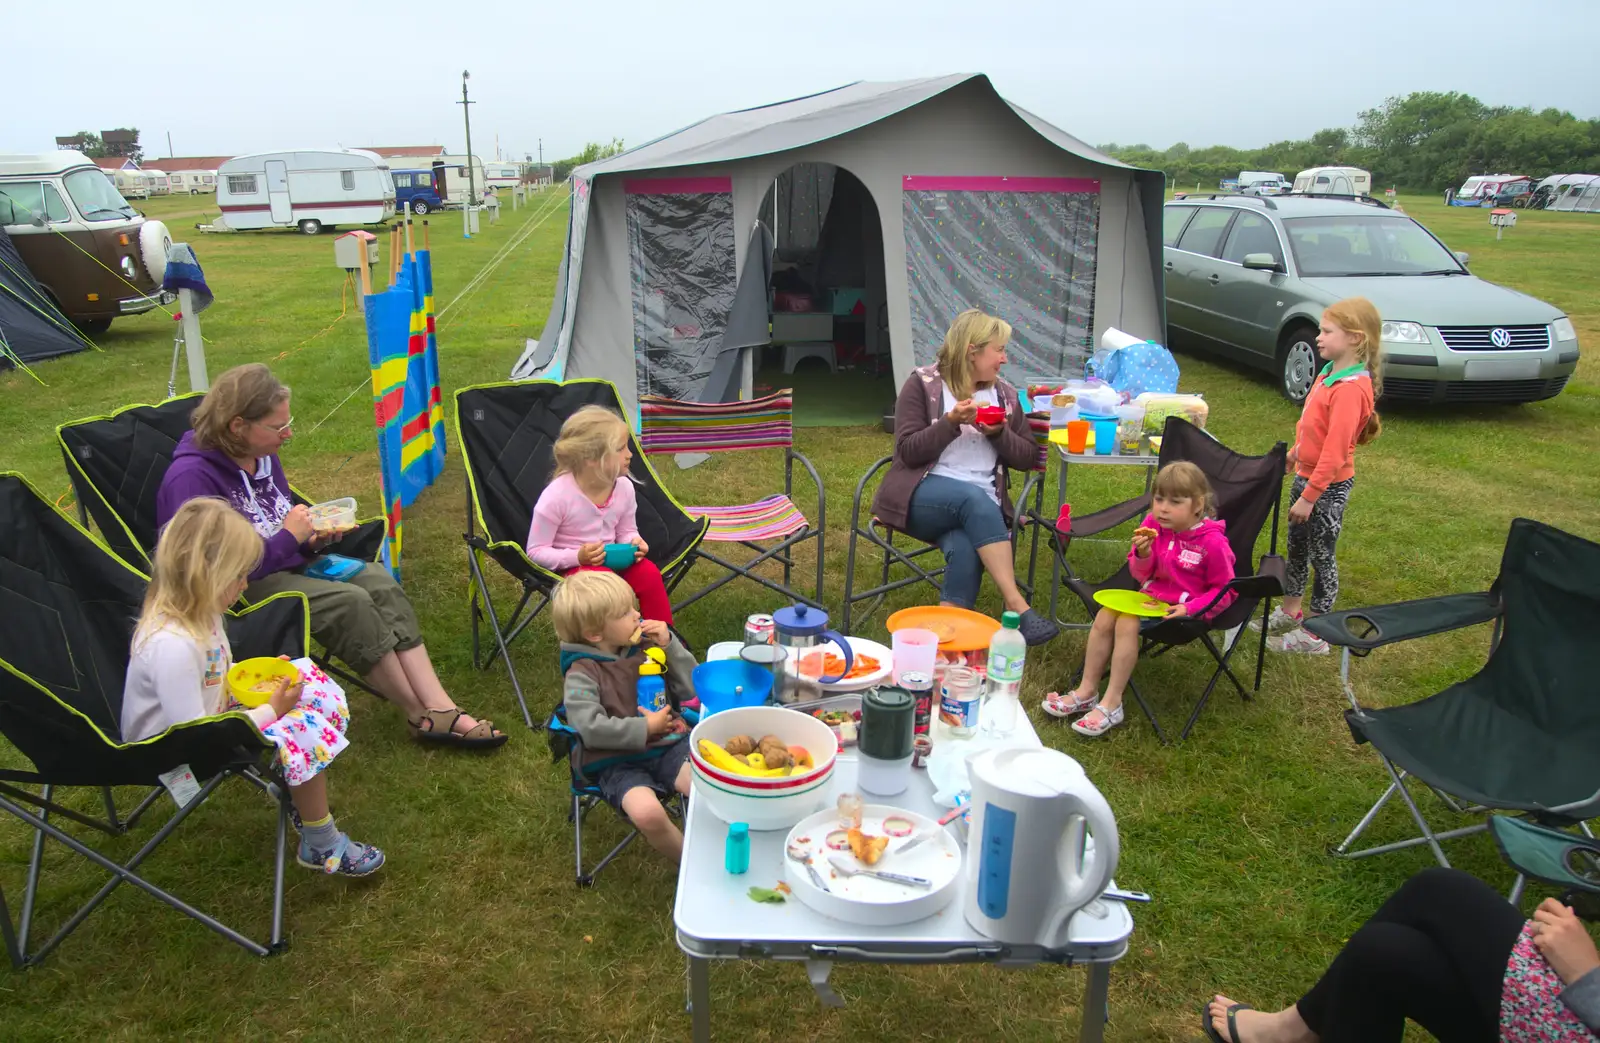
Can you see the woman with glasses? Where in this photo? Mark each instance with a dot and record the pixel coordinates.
(366, 621)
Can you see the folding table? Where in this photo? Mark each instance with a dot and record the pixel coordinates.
(715, 918)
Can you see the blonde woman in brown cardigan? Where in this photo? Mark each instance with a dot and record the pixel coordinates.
(946, 484)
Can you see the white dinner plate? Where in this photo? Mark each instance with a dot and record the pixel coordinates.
(868, 900)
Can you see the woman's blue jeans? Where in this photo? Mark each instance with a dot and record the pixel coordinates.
(958, 517)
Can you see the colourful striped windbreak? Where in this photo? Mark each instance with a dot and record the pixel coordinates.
(668, 425)
(407, 409)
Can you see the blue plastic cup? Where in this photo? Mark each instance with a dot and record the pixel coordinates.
(1105, 437)
(619, 556)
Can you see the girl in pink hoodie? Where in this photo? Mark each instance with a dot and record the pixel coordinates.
(1180, 555)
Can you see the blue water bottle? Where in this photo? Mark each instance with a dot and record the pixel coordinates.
(736, 853)
(652, 687)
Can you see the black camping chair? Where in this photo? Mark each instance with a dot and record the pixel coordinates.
(882, 536)
(69, 608)
(1247, 490)
(507, 432)
(1521, 734)
(116, 463)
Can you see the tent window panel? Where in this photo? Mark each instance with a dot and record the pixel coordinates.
(682, 275)
(1028, 257)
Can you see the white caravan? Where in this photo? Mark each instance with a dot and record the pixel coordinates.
(310, 189)
(453, 185)
(1339, 181)
(194, 182)
(502, 175)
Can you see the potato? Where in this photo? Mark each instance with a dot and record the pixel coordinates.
(775, 752)
(739, 745)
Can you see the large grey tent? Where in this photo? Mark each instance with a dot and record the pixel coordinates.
(31, 326)
(930, 195)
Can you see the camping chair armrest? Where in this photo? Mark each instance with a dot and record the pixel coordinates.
(1109, 517)
(816, 480)
(1268, 582)
(1363, 629)
(363, 543)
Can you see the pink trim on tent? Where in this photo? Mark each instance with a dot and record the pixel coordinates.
(942, 183)
(662, 186)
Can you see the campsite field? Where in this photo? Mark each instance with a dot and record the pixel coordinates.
(474, 930)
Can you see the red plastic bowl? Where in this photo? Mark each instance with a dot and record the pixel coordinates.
(989, 415)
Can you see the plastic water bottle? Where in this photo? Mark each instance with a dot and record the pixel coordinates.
(1002, 699)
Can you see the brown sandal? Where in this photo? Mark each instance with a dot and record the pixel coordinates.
(439, 727)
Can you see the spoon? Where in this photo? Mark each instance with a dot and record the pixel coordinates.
(801, 855)
(843, 868)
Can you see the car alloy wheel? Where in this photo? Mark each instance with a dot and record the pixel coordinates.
(420, 208)
(1299, 358)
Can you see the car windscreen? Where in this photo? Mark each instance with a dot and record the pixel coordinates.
(96, 198)
(1365, 244)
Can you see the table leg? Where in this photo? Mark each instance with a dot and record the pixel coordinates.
(700, 999)
(1096, 1004)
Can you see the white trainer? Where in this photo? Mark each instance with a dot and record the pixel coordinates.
(1299, 640)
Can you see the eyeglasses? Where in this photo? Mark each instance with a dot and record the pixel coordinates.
(278, 429)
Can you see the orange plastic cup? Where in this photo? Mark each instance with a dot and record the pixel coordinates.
(1077, 435)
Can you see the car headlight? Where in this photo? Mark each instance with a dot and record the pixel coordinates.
(1562, 329)
(1404, 333)
(128, 268)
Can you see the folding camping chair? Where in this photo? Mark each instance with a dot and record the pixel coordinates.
(584, 791)
(116, 463)
(506, 432)
(69, 608)
(1247, 490)
(668, 425)
(1521, 734)
(882, 536)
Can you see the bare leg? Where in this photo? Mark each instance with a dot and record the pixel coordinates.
(681, 783)
(644, 810)
(407, 679)
(1096, 654)
(311, 798)
(1291, 604)
(998, 562)
(1257, 1026)
(1124, 654)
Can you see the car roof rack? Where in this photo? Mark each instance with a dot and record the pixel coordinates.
(1354, 197)
(1236, 196)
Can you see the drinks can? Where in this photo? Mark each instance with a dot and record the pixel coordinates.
(760, 629)
(920, 685)
(959, 698)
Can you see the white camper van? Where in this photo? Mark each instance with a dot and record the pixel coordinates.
(309, 189)
(1339, 181)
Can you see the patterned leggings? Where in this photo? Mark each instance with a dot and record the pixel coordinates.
(1311, 544)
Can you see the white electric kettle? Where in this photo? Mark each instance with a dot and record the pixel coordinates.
(1027, 869)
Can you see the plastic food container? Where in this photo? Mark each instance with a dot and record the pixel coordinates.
(1157, 407)
(252, 681)
(334, 514)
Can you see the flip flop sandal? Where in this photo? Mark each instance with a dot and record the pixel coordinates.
(345, 858)
(1233, 1030)
(441, 730)
(1057, 705)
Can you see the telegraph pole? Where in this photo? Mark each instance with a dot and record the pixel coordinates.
(466, 114)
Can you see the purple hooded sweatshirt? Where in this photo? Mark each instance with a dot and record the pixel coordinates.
(263, 498)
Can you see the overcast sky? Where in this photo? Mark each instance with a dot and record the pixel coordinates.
(229, 78)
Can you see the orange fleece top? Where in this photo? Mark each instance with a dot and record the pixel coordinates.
(1325, 437)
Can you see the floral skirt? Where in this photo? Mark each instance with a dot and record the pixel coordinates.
(309, 736)
(1531, 1010)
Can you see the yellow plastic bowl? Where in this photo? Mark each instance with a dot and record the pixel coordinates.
(252, 681)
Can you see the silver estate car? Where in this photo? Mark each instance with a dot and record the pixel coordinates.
(1248, 277)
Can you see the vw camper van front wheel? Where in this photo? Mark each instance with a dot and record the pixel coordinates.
(310, 226)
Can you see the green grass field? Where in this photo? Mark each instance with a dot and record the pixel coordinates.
(474, 930)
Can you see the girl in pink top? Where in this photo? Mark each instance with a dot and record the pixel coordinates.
(1180, 555)
(590, 503)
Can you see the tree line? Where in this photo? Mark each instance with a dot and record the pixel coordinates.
(592, 151)
(1425, 141)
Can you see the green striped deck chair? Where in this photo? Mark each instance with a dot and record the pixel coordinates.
(773, 526)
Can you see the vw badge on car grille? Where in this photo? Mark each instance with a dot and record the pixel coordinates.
(1500, 338)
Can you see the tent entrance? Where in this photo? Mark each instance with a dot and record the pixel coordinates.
(826, 298)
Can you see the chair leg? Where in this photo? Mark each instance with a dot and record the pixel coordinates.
(125, 873)
(499, 636)
(1138, 697)
(1261, 646)
(35, 863)
(1428, 836)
